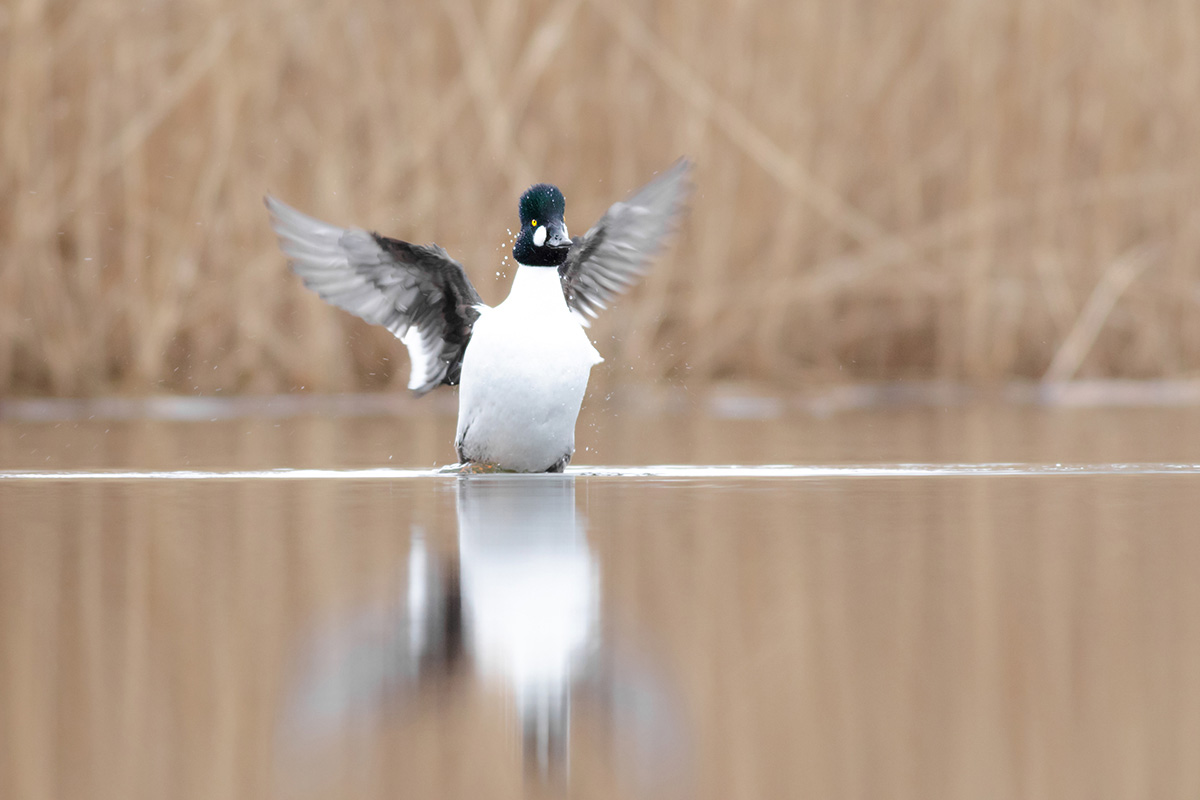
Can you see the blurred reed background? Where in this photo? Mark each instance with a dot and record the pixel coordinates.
(887, 190)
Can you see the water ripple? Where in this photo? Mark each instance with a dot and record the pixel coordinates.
(666, 471)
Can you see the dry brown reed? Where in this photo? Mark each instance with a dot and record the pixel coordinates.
(887, 190)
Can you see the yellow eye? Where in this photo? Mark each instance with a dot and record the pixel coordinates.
(535, 223)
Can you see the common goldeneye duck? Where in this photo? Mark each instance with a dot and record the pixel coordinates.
(523, 366)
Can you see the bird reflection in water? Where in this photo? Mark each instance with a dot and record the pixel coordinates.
(519, 611)
(530, 588)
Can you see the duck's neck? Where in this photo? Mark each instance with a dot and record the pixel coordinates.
(537, 285)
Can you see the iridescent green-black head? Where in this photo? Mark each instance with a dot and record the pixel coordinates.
(543, 240)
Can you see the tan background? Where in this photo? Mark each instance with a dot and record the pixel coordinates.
(970, 191)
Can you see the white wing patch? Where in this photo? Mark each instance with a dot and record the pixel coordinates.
(423, 353)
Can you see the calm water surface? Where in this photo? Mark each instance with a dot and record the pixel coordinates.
(944, 631)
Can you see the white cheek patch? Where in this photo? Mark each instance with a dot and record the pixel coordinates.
(539, 236)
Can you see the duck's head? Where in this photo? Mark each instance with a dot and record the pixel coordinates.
(543, 240)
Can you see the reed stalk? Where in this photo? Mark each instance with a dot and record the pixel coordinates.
(886, 190)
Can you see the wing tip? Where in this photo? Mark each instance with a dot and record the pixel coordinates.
(681, 164)
(278, 209)
(669, 191)
(680, 173)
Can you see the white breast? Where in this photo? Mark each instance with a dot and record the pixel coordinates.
(524, 374)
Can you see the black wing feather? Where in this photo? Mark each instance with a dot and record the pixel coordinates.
(617, 251)
(417, 292)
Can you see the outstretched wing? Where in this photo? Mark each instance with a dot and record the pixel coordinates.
(614, 254)
(417, 292)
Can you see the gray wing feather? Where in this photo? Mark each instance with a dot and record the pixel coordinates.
(614, 254)
(417, 292)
